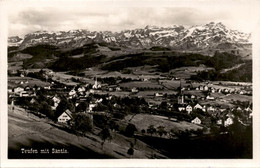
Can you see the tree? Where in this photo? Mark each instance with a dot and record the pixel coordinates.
(104, 135)
(161, 131)
(64, 105)
(82, 123)
(46, 109)
(151, 130)
(130, 130)
(143, 131)
(82, 106)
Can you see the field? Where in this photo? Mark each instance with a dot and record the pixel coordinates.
(143, 121)
(147, 84)
(28, 131)
(15, 81)
(186, 72)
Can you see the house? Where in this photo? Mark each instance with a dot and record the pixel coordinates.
(99, 100)
(229, 121)
(56, 100)
(205, 88)
(134, 90)
(24, 94)
(26, 88)
(248, 109)
(18, 89)
(197, 106)
(210, 109)
(91, 106)
(220, 122)
(32, 101)
(189, 109)
(47, 87)
(241, 92)
(65, 116)
(72, 92)
(200, 87)
(81, 89)
(239, 109)
(196, 121)
(118, 89)
(193, 97)
(96, 85)
(210, 98)
(158, 94)
(181, 108)
(204, 108)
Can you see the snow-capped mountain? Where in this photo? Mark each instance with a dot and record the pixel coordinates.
(211, 35)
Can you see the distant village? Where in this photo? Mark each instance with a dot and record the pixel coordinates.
(192, 102)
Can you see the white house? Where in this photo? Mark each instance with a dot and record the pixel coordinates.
(189, 109)
(18, 89)
(134, 90)
(248, 109)
(219, 122)
(91, 106)
(81, 89)
(196, 121)
(181, 108)
(158, 94)
(99, 100)
(24, 94)
(205, 88)
(65, 116)
(56, 100)
(47, 87)
(72, 92)
(213, 90)
(210, 108)
(210, 98)
(228, 121)
(32, 101)
(198, 106)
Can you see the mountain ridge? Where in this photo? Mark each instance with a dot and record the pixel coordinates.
(199, 37)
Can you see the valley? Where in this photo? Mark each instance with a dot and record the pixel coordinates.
(147, 93)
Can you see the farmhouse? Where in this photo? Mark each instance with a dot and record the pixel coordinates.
(91, 106)
(228, 121)
(181, 108)
(32, 101)
(65, 116)
(197, 106)
(134, 90)
(189, 109)
(72, 92)
(18, 89)
(158, 94)
(196, 121)
(210, 97)
(24, 94)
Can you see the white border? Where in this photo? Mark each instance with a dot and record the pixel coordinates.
(255, 162)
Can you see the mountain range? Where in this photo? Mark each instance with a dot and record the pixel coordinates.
(209, 36)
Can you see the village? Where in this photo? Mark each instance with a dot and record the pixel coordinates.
(206, 104)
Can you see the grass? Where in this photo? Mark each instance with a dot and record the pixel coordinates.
(32, 132)
(141, 85)
(15, 81)
(143, 121)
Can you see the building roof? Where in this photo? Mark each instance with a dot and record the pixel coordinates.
(68, 112)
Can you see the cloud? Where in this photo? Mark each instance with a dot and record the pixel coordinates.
(54, 16)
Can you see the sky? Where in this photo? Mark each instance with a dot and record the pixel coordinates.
(26, 16)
